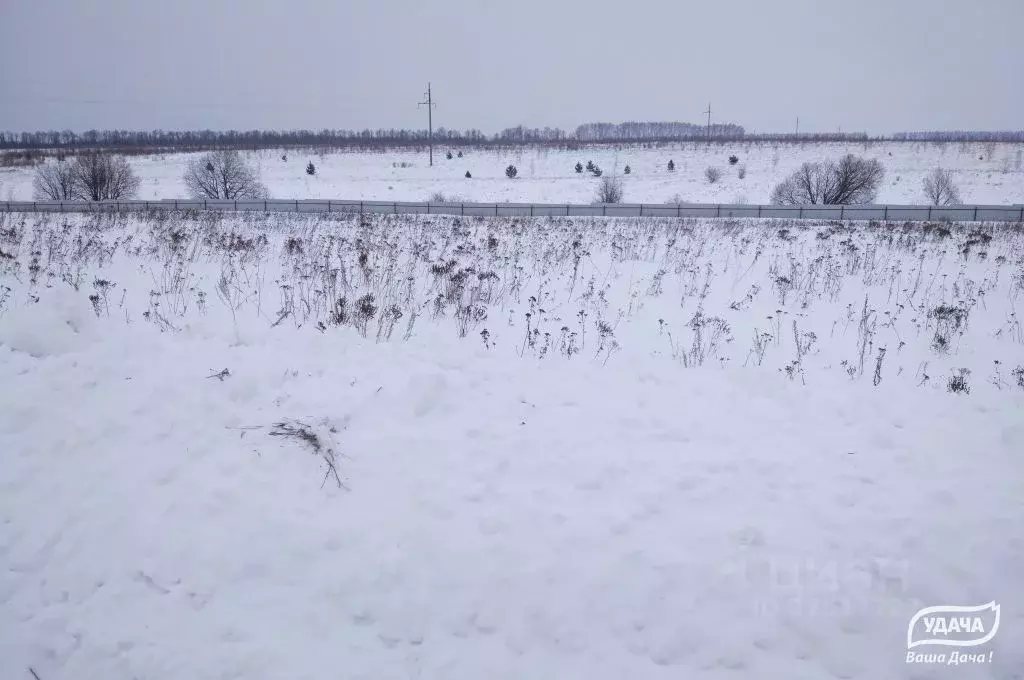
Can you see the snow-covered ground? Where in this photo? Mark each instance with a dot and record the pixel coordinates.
(574, 448)
(986, 173)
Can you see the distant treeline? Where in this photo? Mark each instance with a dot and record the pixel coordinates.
(639, 132)
(590, 133)
(960, 136)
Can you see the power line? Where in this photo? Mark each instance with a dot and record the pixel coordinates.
(430, 122)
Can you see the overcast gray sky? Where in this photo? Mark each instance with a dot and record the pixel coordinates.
(871, 65)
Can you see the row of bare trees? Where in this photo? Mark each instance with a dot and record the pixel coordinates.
(89, 177)
(854, 181)
(105, 177)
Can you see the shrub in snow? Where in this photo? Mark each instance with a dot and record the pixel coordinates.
(940, 189)
(468, 175)
(733, 160)
(597, 172)
(460, 154)
(849, 181)
(99, 176)
(223, 175)
(54, 181)
(440, 197)
(712, 175)
(958, 382)
(627, 170)
(448, 155)
(671, 166)
(310, 169)
(590, 166)
(742, 172)
(609, 190)
(364, 311)
(511, 172)
(284, 157)
(579, 167)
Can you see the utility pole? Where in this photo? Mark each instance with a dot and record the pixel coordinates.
(709, 121)
(430, 121)
(798, 125)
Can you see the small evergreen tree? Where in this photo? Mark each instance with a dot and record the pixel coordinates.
(511, 172)
(460, 154)
(733, 160)
(671, 165)
(448, 155)
(627, 170)
(579, 167)
(590, 166)
(468, 175)
(311, 169)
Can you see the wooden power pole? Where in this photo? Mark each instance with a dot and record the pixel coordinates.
(709, 121)
(430, 122)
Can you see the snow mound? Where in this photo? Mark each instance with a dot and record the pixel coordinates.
(61, 321)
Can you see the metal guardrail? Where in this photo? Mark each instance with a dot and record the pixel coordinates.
(902, 213)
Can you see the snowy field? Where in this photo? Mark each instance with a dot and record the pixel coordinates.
(986, 173)
(311, 447)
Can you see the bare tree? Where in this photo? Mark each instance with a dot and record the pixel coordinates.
(54, 181)
(609, 190)
(223, 175)
(850, 181)
(102, 177)
(940, 189)
(712, 175)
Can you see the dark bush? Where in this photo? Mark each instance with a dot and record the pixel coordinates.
(733, 160)
(102, 177)
(511, 172)
(311, 169)
(223, 175)
(957, 382)
(849, 181)
(54, 181)
(671, 166)
(609, 191)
